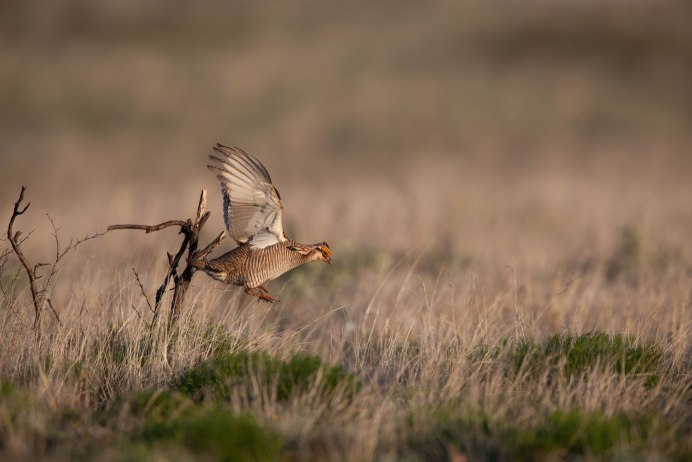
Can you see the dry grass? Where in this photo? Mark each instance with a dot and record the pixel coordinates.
(487, 178)
(423, 330)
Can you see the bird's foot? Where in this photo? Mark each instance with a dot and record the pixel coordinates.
(268, 298)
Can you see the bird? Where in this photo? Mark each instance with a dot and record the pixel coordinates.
(253, 214)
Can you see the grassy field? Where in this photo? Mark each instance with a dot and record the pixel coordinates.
(505, 188)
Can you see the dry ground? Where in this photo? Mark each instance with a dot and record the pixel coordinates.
(488, 177)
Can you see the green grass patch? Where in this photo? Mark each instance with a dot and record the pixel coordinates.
(623, 353)
(27, 419)
(561, 435)
(166, 424)
(217, 432)
(192, 413)
(219, 376)
(572, 355)
(159, 406)
(584, 433)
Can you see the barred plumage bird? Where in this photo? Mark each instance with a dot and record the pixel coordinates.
(254, 218)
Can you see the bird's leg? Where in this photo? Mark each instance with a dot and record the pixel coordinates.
(261, 293)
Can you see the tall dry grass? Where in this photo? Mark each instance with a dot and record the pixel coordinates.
(410, 321)
(487, 176)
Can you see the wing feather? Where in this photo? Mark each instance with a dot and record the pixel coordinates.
(252, 205)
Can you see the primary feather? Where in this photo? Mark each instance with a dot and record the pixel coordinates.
(252, 205)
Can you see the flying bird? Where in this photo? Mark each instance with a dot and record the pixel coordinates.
(254, 218)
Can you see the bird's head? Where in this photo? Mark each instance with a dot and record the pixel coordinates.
(314, 252)
(321, 252)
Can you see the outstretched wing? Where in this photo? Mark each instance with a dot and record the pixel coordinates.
(252, 205)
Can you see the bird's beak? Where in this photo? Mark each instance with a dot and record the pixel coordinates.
(329, 260)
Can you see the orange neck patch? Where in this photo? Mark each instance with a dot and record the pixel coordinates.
(326, 250)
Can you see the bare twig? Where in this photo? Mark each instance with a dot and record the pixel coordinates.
(28, 235)
(50, 304)
(72, 245)
(203, 219)
(137, 313)
(38, 293)
(172, 273)
(13, 238)
(186, 229)
(5, 253)
(201, 206)
(210, 247)
(181, 281)
(150, 228)
(37, 266)
(141, 287)
(59, 255)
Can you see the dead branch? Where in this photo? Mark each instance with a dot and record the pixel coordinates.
(201, 206)
(38, 294)
(59, 255)
(200, 254)
(181, 281)
(50, 304)
(4, 254)
(144, 294)
(149, 228)
(71, 246)
(13, 238)
(170, 274)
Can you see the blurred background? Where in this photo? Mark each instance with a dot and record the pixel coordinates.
(506, 132)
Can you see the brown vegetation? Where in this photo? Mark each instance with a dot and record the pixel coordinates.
(505, 189)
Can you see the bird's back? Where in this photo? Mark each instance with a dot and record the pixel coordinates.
(252, 267)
